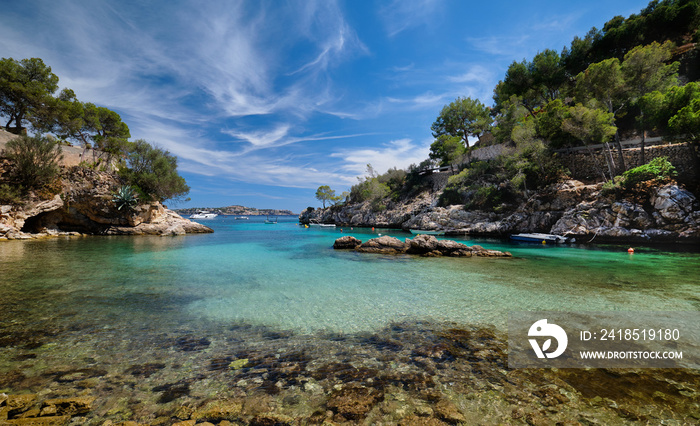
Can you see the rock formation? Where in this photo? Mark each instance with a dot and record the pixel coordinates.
(668, 214)
(423, 245)
(85, 206)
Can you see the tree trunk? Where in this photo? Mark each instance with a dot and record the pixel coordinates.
(595, 160)
(610, 161)
(619, 152)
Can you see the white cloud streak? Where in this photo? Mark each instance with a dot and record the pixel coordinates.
(401, 15)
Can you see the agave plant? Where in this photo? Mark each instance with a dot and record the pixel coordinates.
(125, 197)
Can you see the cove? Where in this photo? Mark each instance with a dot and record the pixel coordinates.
(270, 320)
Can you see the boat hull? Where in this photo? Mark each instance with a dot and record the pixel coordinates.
(540, 238)
(424, 232)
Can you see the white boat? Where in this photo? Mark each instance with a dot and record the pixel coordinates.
(327, 225)
(203, 214)
(425, 232)
(242, 218)
(541, 238)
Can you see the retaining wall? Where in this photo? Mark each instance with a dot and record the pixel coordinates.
(582, 166)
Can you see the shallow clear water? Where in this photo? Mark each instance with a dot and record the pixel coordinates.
(287, 276)
(123, 318)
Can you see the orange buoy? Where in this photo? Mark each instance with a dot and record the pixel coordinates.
(373, 229)
(630, 250)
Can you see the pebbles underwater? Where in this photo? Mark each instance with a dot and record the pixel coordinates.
(405, 374)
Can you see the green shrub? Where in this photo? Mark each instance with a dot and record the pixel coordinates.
(369, 189)
(153, 173)
(484, 198)
(657, 169)
(34, 161)
(10, 194)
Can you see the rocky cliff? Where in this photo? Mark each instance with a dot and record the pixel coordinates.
(85, 206)
(668, 213)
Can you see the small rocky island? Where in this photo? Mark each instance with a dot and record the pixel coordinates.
(422, 245)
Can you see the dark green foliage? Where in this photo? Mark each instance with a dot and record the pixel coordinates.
(34, 161)
(462, 118)
(10, 194)
(26, 89)
(153, 172)
(674, 20)
(125, 198)
(462, 186)
(447, 149)
(484, 198)
(659, 169)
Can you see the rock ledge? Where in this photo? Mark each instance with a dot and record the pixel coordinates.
(422, 245)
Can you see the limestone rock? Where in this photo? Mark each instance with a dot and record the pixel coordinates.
(568, 208)
(673, 204)
(346, 243)
(423, 245)
(70, 406)
(218, 410)
(85, 206)
(383, 245)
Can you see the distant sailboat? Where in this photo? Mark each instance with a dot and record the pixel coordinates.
(269, 221)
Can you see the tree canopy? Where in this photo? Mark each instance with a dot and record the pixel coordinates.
(153, 171)
(324, 194)
(463, 118)
(26, 90)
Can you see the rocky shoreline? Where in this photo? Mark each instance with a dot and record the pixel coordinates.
(85, 207)
(669, 214)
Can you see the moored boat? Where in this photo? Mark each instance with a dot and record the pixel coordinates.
(269, 221)
(541, 238)
(203, 214)
(242, 218)
(426, 232)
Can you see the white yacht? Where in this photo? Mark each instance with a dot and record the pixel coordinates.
(203, 214)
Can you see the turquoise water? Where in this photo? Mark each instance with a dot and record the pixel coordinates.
(288, 277)
(272, 318)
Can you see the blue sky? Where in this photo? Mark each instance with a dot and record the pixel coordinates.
(264, 101)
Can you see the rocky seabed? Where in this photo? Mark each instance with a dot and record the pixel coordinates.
(406, 374)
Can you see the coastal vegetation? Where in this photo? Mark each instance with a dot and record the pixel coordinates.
(28, 99)
(324, 194)
(620, 81)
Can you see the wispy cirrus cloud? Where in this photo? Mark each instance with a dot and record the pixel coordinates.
(400, 15)
(399, 153)
(509, 45)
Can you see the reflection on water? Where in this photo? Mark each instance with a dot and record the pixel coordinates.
(158, 326)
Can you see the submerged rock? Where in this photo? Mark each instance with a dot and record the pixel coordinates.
(423, 245)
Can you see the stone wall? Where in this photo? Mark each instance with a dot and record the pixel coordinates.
(72, 155)
(582, 165)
